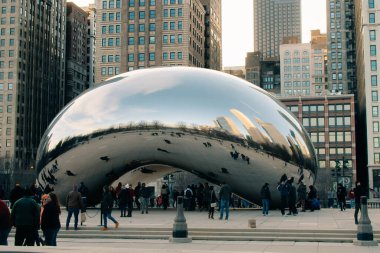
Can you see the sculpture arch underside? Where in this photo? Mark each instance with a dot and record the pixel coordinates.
(143, 125)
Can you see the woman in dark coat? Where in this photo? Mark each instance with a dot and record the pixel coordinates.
(106, 207)
(50, 223)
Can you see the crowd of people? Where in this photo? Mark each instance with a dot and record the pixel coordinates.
(32, 209)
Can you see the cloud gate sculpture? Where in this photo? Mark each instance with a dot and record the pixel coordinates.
(144, 124)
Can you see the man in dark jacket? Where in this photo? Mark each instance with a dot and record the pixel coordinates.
(283, 188)
(302, 194)
(224, 197)
(26, 218)
(16, 194)
(292, 197)
(265, 198)
(341, 195)
(358, 191)
(106, 206)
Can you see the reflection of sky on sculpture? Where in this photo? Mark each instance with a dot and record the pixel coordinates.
(155, 95)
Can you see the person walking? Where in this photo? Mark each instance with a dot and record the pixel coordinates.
(50, 223)
(106, 206)
(165, 196)
(84, 193)
(358, 192)
(283, 188)
(5, 223)
(224, 197)
(292, 197)
(187, 195)
(330, 198)
(212, 203)
(351, 197)
(25, 217)
(144, 198)
(341, 195)
(130, 194)
(265, 198)
(312, 198)
(137, 195)
(73, 206)
(302, 194)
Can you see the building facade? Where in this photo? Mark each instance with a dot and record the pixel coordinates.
(91, 46)
(330, 121)
(135, 34)
(274, 22)
(304, 66)
(238, 71)
(341, 41)
(367, 15)
(76, 51)
(32, 79)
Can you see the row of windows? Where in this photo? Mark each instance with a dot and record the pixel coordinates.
(296, 60)
(3, 21)
(152, 56)
(11, 31)
(110, 71)
(111, 16)
(172, 39)
(12, 9)
(110, 58)
(172, 25)
(297, 84)
(10, 75)
(296, 53)
(9, 97)
(110, 42)
(141, 27)
(110, 4)
(3, 44)
(298, 92)
(111, 29)
(132, 16)
(141, 40)
(322, 163)
(166, 2)
(298, 68)
(297, 76)
(9, 109)
(172, 13)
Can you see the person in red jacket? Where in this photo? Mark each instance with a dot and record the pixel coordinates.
(5, 223)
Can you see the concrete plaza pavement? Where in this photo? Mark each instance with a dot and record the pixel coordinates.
(325, 219)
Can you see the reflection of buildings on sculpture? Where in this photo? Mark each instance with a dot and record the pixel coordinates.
(228, 125)
(275, 135)
(330, 121)
(258, 136)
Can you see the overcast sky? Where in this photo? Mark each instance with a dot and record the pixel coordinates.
(237, 19)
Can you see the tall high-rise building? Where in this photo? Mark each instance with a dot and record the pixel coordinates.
(91, 49)
(32, 78)
(341, 40)
(275, 21)
(76, 52)
(367, 26)
(138, 34)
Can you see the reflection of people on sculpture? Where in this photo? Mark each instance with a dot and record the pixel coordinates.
(301, 190)
(283, 188)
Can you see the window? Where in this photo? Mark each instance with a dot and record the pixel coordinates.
(11, 42)
(374, 96)
(111, 4)
(375, 126)
(104, 29)
(9, 108)
(131, 3)
(152, 14)
(152, 27)
(142, 2)
(131, 28)
(172, 25)
(373, 65)
(172, 1)
(166, 27)
(131, 57)
(117, 41)
(152, 56)
(375, 111)
(141, 14)
(376, 158)
(374, 80)
(110, 29)
(372, 18)
(172, 39)
(104, 4)
(141, 40)
(131, 40)
(117, 15)
(165, 56)
(372, 50)
(179, 54)
(141, 56)
(371, 4)
(111, 16)
(172, 12)
(166, 13)
(10, 97)
(165, 39)
(172, 55)
(110, 58)
(152, 40)
(117, 58)
(110, 42)
(152, 2)
(376, 143)
(117, 28)
(131, 15)
(179, 12)
(141, 27)
(12, 20)
(104, 16)
(180, 39)
(372, 35)
(180, 25)
(117, 3)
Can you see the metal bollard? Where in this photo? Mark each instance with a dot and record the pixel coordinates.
(180, 233)
(365, 232)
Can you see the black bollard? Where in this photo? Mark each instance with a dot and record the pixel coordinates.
(180, 233)
(365, 232)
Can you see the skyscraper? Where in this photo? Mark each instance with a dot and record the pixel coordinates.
(367, 26)
(32, 78)
(275, 21)
(138, 34)
(76, 52)
(91, 49)
(341, 40)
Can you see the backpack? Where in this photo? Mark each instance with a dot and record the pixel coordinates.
(188, 193)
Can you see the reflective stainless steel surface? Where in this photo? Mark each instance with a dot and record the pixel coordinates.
(153, 121)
